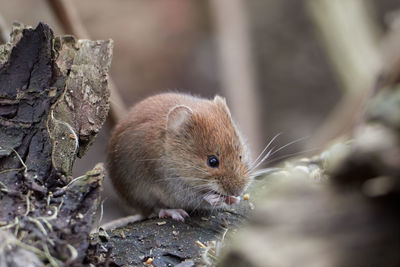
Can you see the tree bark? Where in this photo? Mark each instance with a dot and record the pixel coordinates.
(167, 242)
(53, 101)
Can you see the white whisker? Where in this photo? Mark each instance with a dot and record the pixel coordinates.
(262, 160)
(271, 153)
(266, 147)
(290, 143)
(266, 171)
(292, 154)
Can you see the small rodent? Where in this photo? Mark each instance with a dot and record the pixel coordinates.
(175, 153)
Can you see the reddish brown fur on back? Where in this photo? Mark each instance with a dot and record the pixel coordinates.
(148, 161)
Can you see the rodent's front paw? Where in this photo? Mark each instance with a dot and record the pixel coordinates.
(214, 199)
(175, 214)
(217, 199)
(231, 200)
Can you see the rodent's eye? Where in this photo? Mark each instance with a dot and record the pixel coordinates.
(212, 161)
(240, 157)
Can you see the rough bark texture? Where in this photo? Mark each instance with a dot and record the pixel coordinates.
(53, 101)
(168, 242)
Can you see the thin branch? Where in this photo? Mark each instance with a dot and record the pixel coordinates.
(4, 31)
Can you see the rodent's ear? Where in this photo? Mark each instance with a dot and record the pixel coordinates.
(177, 116)
(221, 102)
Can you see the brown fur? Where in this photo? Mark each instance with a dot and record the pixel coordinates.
(157, 156)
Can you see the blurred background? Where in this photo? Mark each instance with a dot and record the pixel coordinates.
(284, 66)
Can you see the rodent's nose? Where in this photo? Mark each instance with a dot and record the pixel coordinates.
(233, 184)
(231, 200)
(234, 189)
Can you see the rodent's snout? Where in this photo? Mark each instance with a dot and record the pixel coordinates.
(234, 187)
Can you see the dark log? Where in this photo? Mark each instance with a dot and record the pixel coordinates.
(53, 101)
(166, 242)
